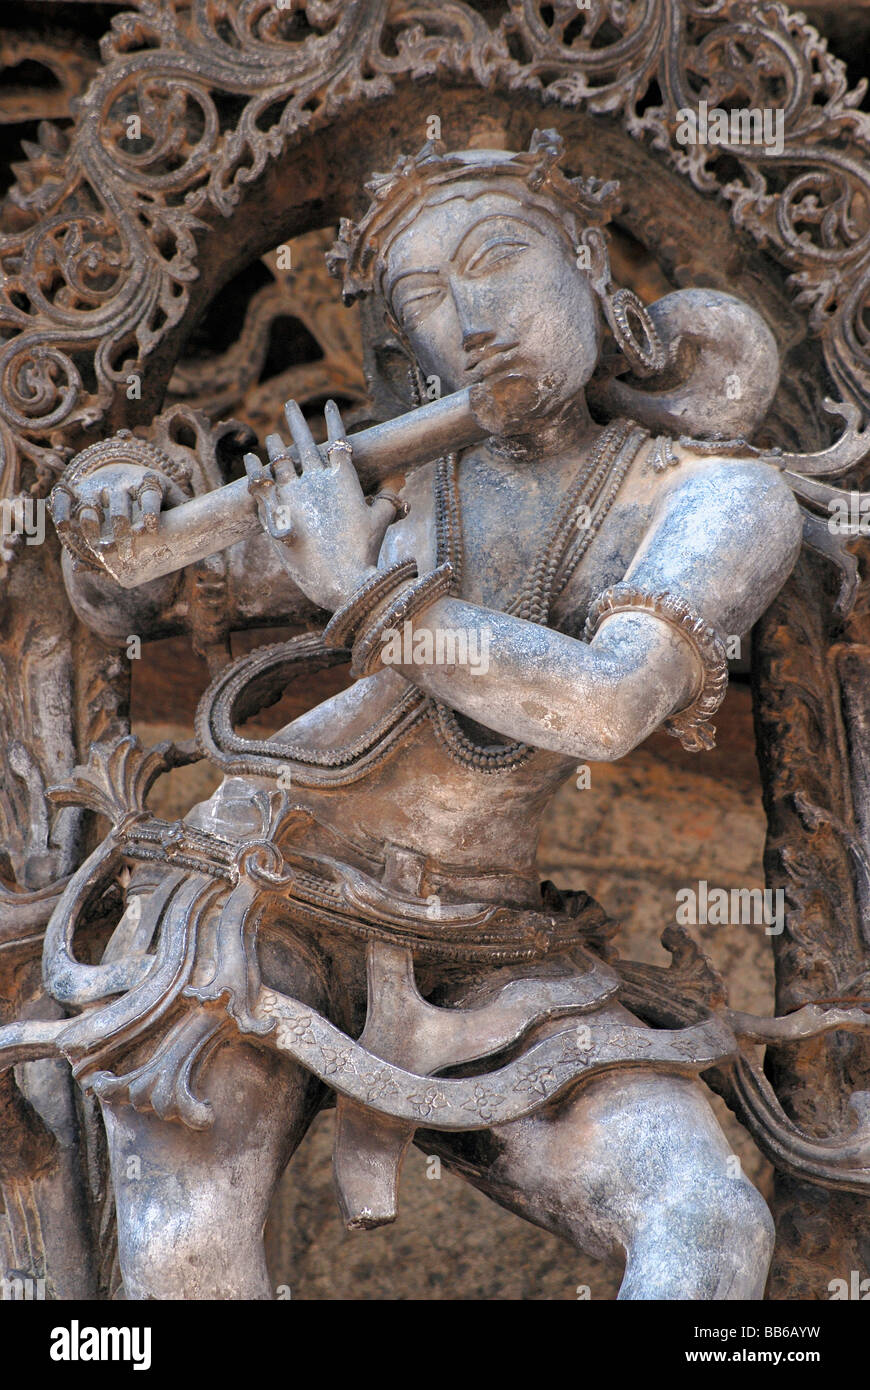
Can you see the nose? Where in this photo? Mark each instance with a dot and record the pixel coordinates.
(476, 338)
(471, 313)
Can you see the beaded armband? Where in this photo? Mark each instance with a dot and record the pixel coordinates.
(411, 600)
(691, 725)
(346, 621)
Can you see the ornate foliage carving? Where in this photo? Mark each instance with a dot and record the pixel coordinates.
(66, 70)
(193, 102)
(233, 381)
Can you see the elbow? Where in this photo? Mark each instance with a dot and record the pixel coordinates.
(608, 737)
(613, 742)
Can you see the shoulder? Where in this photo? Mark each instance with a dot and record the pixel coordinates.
(724, 532)
(726, 494)
(740, 482)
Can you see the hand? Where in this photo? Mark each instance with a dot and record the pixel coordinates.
(102, 513)
(327, 533)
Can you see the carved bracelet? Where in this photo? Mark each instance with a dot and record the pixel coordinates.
(347, 620)
(691, 725)
(411, 600)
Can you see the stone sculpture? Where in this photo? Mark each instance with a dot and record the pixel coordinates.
(356, 911)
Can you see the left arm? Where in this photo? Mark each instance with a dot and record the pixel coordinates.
(723, 538)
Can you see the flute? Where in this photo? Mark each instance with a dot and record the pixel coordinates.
(215, 520)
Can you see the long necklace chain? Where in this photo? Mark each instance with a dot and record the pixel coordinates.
(567, 539)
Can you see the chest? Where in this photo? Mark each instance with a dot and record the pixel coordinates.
(505, 525)
(523, 542)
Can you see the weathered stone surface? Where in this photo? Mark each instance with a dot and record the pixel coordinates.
(451, 1242)
(809, 680)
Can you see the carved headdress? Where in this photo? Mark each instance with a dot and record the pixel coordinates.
(433, 175)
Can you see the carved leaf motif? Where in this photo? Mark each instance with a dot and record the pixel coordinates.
(116, 779)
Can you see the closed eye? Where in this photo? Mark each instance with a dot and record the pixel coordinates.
(416, 306)
(494, 252)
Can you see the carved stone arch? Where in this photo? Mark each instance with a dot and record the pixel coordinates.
(260, 124)
(318, 180)
(120, 227)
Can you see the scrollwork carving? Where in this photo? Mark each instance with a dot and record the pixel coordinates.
(102, 243)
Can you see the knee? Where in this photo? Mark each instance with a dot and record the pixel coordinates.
(734, 1214)
(712, 1241)
(734, 1206)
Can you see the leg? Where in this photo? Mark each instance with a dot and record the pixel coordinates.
(191, 1211)
(192, 1204)
(633, 1161)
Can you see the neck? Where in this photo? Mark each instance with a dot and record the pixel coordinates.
(557, 435)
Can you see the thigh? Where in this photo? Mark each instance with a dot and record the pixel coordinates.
(594, 1164)
(192, 1204)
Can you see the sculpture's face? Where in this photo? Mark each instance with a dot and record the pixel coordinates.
(489, 286)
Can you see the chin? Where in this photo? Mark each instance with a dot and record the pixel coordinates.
(557, 392)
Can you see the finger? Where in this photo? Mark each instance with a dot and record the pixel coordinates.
(260, 478)
(61, 510)
(150, 497)
(275, 447)
(340, 454)
(90, 519)
(282, 461)
(150, 511)
(383, 511)
(309, 454)
(120, 509)
(334, 423)
(275, 518)
(401, 507)
(282, 522)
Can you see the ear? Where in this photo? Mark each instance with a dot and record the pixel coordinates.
(598, 270)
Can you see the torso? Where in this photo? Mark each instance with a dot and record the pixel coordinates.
(421, 797)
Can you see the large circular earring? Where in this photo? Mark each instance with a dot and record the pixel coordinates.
(635, 333)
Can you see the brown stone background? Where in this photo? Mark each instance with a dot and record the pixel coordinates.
(659, 820)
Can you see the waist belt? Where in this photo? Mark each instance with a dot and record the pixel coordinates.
(328, 893)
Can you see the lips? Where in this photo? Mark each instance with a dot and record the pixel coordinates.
(490, 359)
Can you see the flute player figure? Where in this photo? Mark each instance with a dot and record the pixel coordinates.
(603, 584)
